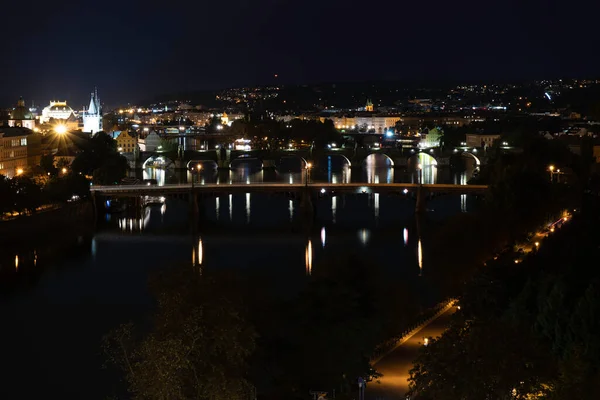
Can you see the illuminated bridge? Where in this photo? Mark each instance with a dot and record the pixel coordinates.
(305, 192)
(232, 188)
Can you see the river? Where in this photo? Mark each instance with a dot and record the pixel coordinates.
(61, 296)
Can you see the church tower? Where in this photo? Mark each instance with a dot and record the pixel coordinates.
(92, 117)
(369, 106)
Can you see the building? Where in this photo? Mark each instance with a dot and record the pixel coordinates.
(92, 117)
(19, 148)
(126, 143)
(56, 110)
(150, 142)
(21, 117)
(481, 140)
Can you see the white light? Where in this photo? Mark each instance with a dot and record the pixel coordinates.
(323, 236)
(323, 190)
(405, 234)
(405, 191)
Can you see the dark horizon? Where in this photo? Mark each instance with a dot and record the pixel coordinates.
(133, 52)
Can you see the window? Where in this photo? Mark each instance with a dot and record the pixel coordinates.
(23, 141)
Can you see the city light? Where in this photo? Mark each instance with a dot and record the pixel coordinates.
(64, 170)
(19, 171)
(60, 129)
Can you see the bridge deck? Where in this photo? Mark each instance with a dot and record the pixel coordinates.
(135, 190)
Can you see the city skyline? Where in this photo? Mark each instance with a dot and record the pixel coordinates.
(133, 52)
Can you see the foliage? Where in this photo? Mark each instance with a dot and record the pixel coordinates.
(99, 157)
(198, 343)
(47, 164)
(524, 331)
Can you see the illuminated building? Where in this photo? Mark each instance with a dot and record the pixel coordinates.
(21, 116)
(369, 106)
(481, 140)
(19, 148)
(56, 110)
(126, 143)
(92, 117)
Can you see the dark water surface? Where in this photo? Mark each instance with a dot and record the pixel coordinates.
(60, 297)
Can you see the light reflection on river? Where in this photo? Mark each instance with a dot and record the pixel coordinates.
(375, 169)
(75, 300)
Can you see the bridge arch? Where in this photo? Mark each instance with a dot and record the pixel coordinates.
(192, 164)
(303, 160)
(477, 160)
(420, 155)
(388, 158)
(158, 161)
(243, 158)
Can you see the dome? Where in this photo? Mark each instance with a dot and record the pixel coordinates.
(60, 108)
(21, 112)
(56, 110)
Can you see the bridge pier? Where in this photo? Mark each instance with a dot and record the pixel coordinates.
(307, 206)
(421, 204)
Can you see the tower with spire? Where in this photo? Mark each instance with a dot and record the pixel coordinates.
(92, 117)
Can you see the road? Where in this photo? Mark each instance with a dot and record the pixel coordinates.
(396, 365)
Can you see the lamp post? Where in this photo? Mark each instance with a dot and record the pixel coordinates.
(551, 169)
(420, 174)
(307, 168)
(198, 168)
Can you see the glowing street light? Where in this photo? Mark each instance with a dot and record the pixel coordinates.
(64, 170)
(537, 244)
(60, 129)
(551, 169)
(308, 167)
(420, 172)
(19, 171)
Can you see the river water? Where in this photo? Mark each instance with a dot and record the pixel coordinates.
(60, 297)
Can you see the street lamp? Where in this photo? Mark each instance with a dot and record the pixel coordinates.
(308, 167)
(198, 168)
(64, 170)
(60, 129)
(420, 173)
(551, 169)
(19, 171)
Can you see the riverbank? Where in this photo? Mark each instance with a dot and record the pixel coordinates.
(48, 222)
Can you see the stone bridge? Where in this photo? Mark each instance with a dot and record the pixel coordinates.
(270, 158)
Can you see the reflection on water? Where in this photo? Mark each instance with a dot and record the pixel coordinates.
(247, 208)
(323, 237)
(308, 257)
(420, 257)
(231, 207)
(376, 205)
(333, 208)
(17, 263)
(377, 168)
(405, 234)
(291, 209)
(364, 236)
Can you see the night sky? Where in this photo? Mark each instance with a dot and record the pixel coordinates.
(135, 50)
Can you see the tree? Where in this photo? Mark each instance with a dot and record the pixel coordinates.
(99, 157)
(27, 195)
(47, 164)
(7, 200)
(197, 346)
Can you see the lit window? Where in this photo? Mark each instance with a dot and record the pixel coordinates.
(24, 142)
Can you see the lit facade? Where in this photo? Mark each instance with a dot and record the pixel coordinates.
(56, 110)
(19, 148)
(21, 116)
(92, 117)
(126, 143)
(476, 140)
